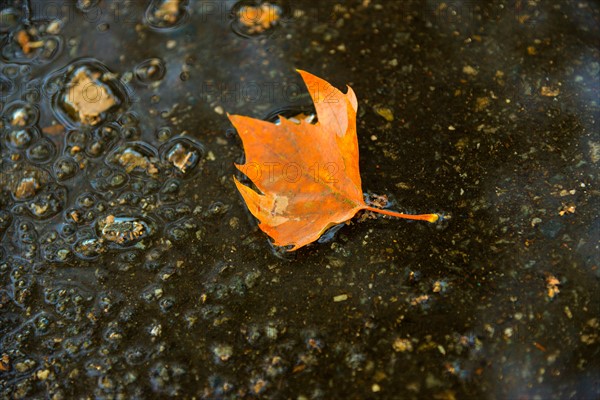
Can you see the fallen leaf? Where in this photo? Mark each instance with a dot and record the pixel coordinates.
(308, 173)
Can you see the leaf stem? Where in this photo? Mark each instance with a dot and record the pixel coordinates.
(420, 217)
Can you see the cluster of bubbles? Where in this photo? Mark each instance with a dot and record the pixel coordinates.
(26, 40)
(86, 190)
(86, 197)
(88, 186)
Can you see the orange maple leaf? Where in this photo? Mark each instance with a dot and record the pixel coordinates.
(307, 173)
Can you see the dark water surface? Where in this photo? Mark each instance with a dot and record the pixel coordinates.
(130, 268)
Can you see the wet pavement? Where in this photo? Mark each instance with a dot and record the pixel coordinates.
(130, 267)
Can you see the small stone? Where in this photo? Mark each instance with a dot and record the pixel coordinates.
(594, 151)
(385, 112)
(340, 297)
(54, 27)
(223, 352)
(469, 70)
(481, 103)
(24, 366)
(156, 330)
(401, 345)
(42, 375)
(535, 221)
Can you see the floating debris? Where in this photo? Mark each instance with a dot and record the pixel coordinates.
(340, 298)
(167, 11)
(402, 345)
(26, 42)
(29, 41)
(384, 112)
(41, 151)
(20, 115)
(166, 14)
(86, 5)
(549, 91)
(568, 208)
(86, 92)
(253, 20)
(5, 363)
(87, 98)
(124, 231)
(419, 299)
(88, 248)
(150, 70)
(27, 188)
(181, 158)
(130, 159)
(552, 286)
(469, 70)
(184, 154)
(22, 138)
(222, 352)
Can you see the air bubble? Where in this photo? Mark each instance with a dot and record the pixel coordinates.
(150, 70)
(251, 18)
(183, 154)
(7, 87)
(88, 249)
(9, 19)
(124, 231)
(30, 44)
(90, 94)
(163, 134)
(20, 115)
(135, 157)
(65, 168)
(87, 5)
(102, 141)
(21, 139)
(164, 15)
(42, 151)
